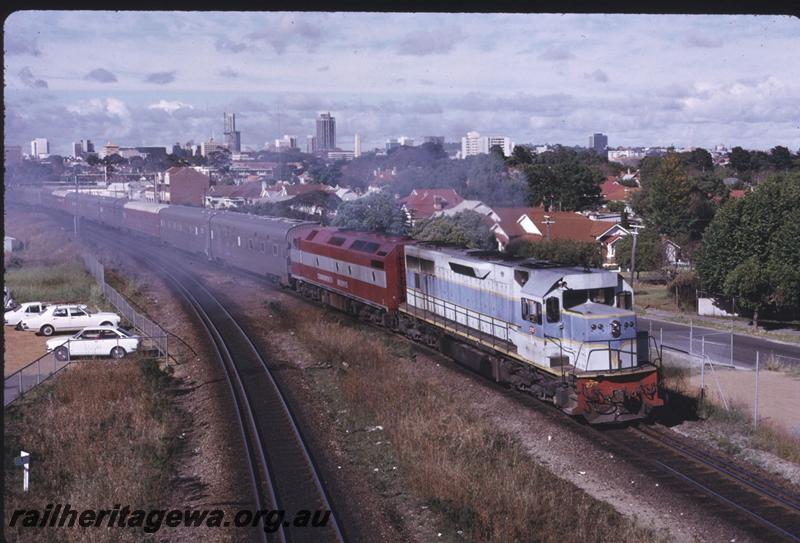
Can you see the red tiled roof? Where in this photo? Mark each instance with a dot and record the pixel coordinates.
(736, 194)
(295, 190)
(245, 190)
(566, 225)
(614, 192)
(422, 203)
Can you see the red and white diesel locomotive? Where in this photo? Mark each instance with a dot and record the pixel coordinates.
(567, 335)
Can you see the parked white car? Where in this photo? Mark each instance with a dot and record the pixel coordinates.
(15, 316)
(63, 318)
(95, 341)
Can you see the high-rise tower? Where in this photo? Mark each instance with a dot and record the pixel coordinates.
(326, 132)
(233, 138)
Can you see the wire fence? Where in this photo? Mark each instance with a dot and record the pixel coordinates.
(152, 333)
(154, 341)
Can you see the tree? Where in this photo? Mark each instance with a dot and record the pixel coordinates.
(739, 159)
(564, 251)
(566, 185)
(666, 209)
(465, 229)
(701, 159)
(649, 251)
(378, 212)
(780, 158)
(520, 156)
(758, 232)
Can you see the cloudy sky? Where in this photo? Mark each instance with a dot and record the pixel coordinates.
(156, 78)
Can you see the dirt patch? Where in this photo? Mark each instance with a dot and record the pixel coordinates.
(778, 394)
(20, 349)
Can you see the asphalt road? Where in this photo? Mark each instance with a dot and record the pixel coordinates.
(717, 344)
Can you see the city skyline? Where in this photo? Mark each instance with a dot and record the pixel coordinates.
(136, 79)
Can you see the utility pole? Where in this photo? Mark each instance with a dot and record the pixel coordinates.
(76, 207)
(634, 233)
(547, 222)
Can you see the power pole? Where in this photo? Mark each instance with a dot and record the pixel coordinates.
(634, 233)
(547, 222)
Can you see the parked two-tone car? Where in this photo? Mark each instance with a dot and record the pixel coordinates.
(67, 318)
(27, 310)
(102, 341)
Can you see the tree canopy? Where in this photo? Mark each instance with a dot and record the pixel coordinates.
(751, 249)
(564, 251)
(378, 212)
(465, 229)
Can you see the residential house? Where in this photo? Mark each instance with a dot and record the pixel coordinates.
(187, 186)
(423, 203)
(469, 205)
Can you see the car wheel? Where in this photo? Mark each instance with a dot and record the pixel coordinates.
(47, 330)
(106, 323)
(62, 354)
(118, 352)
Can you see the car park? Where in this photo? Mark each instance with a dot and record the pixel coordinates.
(102, 341)
(67, 318)
(15, 316)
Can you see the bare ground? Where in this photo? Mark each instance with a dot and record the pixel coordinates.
(20, 349)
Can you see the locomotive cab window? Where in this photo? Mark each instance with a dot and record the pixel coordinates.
(624, 300)
(275, 250)
(553, 310)
(532, 311)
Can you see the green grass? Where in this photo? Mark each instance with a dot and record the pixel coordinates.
(655, 297)
(59, 283)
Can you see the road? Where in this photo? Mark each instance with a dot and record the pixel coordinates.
(717, 344)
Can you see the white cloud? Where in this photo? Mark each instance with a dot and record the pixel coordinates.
(170, 106)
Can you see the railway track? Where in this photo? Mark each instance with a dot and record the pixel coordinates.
(765, 510)
(282, 472)
(761, 508)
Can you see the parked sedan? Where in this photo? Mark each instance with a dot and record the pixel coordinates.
(15, 316)
(67, 318)
(103, 341)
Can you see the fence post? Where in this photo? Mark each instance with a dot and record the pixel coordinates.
(702, 377)
(661, 337)
(732, 349)
(703, 345)
(755, 408)
(20, 383)
(691, 335)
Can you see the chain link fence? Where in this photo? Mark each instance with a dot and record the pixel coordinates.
(154, 340)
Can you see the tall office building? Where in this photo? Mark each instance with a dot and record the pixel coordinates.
(326, 132)
(598, 142)
(233, 138)
(475, 144)
(357, 146)
(88, 146)
(311, 145)
(286, 142)
(405, 141)
(77, 148)
(40, 148)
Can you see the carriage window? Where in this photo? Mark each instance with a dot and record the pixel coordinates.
(376, 264)
(532, 311)
(337, 241)
(553, 311)
(311, 235)
(602, 295)
(275, 250)
(212, 233)
(239, 241)
(196, 231)
(624, 300)
(250, 244)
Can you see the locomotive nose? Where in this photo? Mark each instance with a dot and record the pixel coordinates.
(615, 329)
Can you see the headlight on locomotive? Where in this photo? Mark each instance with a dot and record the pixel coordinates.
(615, 329)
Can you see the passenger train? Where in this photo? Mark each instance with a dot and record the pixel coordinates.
(567, 335)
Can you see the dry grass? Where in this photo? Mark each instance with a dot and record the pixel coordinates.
(99, 434)
(480, 478)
